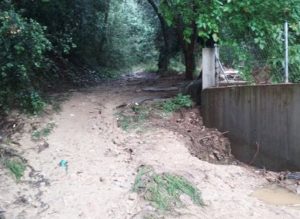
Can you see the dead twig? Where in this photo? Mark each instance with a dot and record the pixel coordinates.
(256, 154)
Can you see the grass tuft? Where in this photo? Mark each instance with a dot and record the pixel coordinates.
(44, 132)
(164, 190)
(16, 167)
(176, 103)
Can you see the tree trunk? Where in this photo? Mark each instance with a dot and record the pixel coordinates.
(106, 16)
(164, 56)
(163, 61)
(190, 64)
(189, 53)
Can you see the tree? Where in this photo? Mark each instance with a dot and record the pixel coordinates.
(206, 20)
(169, 47)
(45, 43)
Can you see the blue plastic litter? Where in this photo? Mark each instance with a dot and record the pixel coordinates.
(64, 164)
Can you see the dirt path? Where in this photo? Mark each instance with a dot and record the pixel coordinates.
(102, 165)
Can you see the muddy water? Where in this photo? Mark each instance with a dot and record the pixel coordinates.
(277, 195)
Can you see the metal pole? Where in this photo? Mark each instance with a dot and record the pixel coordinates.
(217, 67)
(286, 33)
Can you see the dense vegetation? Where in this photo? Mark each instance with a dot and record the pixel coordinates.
(47, 43)
(50, 43)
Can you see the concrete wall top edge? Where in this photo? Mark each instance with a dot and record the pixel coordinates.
(253, 86)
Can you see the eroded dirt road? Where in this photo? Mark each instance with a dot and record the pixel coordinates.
(102, 165)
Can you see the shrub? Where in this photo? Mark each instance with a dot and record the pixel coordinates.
(22, 59)
(178, 102)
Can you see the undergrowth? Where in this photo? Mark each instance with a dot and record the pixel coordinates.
(136, 116)
(44, 132)
(164, 190)
(16, 167)
(176, 103)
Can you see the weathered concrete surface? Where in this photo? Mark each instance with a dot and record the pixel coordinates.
(208, 67)
(262, 120)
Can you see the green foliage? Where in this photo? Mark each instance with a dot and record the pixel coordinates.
(251, 24)
(47, 43)
(257, 15)
(23, 45)
(176, 103)
(164, 190)
(16, 167)
(76, 42)
(131, 37)
(44, 132)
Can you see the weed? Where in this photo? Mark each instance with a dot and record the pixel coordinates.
(164, 190)
(176, 103)
(16, 167)
(44, 132)
(125, 122)
(135, 119)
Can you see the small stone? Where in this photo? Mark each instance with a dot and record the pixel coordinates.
(186, 200)
(43, 146)
(132, 197)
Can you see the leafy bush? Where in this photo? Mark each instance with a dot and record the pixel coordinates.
(176, 103)
(22, 58)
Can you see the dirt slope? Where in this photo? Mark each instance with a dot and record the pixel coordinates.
(103, 161)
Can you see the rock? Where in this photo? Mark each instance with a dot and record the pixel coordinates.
(42, 146)
(132, 197)
(186, 200)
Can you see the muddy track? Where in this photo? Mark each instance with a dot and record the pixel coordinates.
(103, 161)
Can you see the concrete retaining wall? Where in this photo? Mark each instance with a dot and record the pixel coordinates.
(263, 119)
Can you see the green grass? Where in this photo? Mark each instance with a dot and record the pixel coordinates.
(44, 132)
(16, 167)
(176, 103)
(164, 190)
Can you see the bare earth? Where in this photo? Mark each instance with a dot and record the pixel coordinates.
(103, 161)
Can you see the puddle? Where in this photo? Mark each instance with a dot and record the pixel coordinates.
(277, 195)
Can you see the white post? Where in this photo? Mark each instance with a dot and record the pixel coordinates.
(286, 67)
(208, 68)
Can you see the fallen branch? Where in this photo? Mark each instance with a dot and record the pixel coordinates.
(160, 89)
